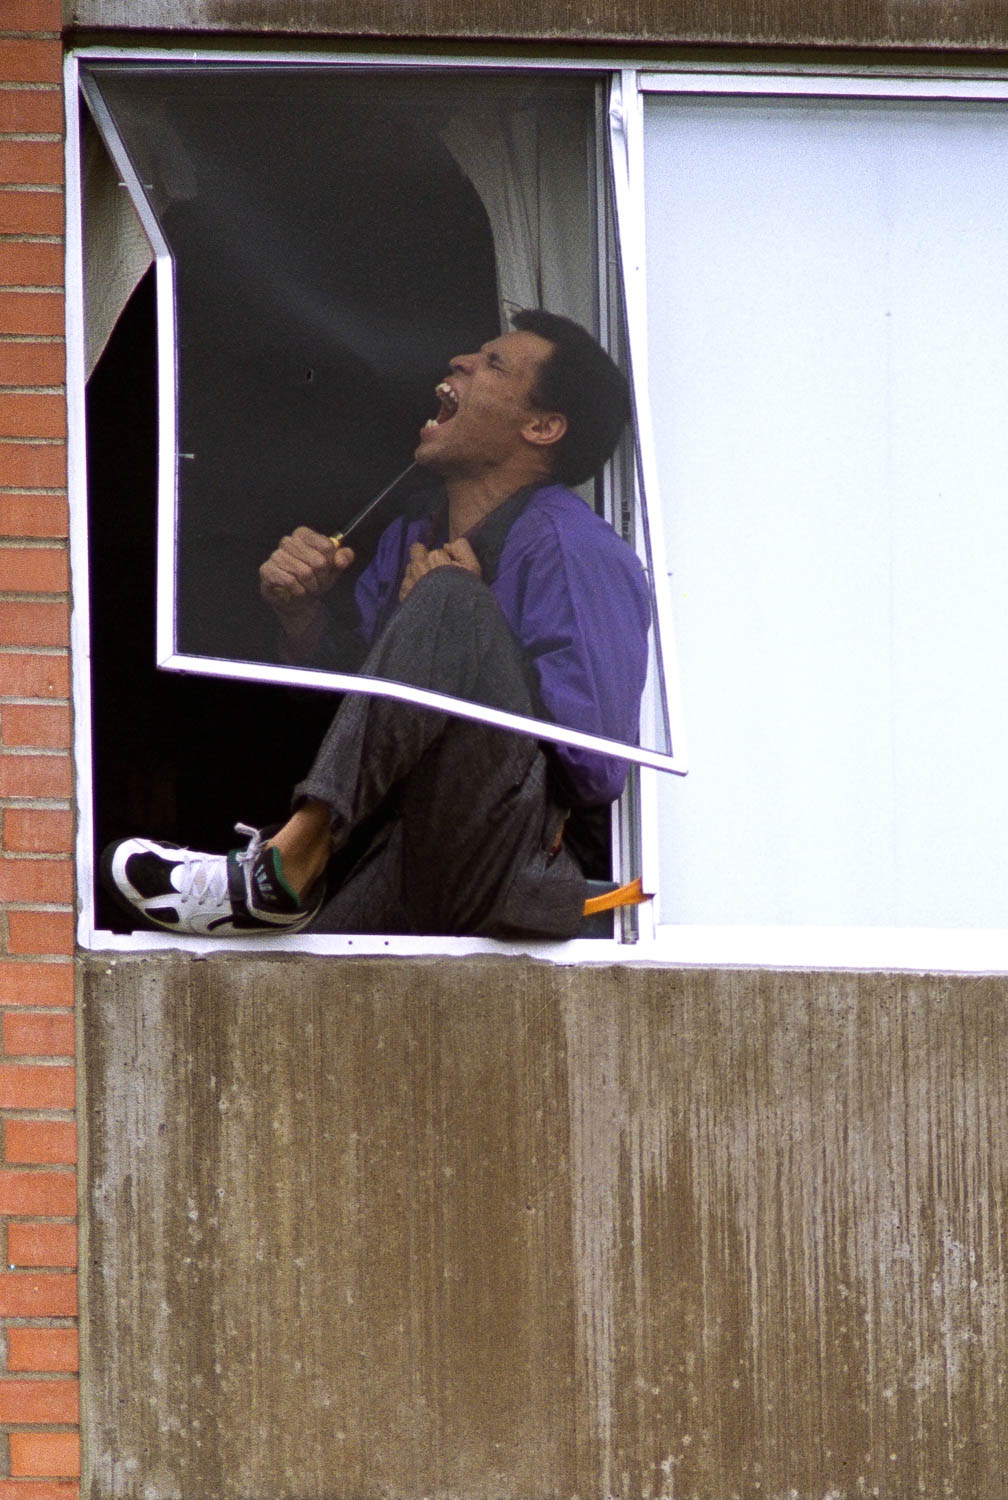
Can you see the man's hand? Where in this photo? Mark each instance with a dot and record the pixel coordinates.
(295, 579)
(453, 554)
(300, 572)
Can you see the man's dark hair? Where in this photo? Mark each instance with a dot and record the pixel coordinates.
(581, 381)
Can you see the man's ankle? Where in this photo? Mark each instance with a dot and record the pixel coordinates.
(301, 867)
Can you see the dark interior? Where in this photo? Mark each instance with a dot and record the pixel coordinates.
(309, 345)
(329, 257)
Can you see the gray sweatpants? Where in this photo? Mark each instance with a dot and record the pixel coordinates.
(466, 827)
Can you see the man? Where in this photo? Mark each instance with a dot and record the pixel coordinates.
(511, 593)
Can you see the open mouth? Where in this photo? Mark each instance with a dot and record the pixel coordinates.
(447, 408)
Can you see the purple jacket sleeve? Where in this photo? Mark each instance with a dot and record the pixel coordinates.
(576, 597)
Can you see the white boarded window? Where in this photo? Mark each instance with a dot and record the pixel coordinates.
(828, 356)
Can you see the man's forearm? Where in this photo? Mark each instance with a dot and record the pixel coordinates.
(301, 635)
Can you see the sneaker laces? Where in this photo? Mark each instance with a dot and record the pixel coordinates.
(202, 879)
(255, 845)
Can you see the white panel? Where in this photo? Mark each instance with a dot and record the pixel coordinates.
(829, 364)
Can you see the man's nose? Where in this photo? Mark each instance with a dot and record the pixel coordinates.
(463, 362)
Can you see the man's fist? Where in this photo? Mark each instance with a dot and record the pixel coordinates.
(453, 554)
(300, 572)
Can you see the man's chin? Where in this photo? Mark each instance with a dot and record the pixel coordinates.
(423, 456)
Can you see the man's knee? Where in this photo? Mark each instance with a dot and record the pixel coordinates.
(449, 585)
(452, 598)
(450, 635)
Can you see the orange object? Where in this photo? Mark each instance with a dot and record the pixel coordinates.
(631, 894)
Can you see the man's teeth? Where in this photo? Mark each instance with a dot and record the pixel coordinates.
(446, 396)
(447, 406)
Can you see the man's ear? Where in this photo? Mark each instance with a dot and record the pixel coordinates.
(544, 428)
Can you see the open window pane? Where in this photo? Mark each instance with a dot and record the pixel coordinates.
(829, 360)
(335, 235)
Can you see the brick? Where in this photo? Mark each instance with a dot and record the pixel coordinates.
(44, 1350)
(24, 212)
(38, 1294)
(40, 1489)
(34, 622)
(38, 1034)
(30, 61)
(24, 983)
(34, 570)
(35, 362)
(38, 1195)
(32, 15)
(28, 414)
(31, 312)
(50, 1402)
(45, 725)
(24, 466)
(38, 1143)
(36, 881)
(31, 161)
(24, 1086)
(41, 1244)
(27, 264)
(34, 775)
(38, 830)
(44, 1454)
(31, 111)
(34, 516)
(40, 932)
(26, 622)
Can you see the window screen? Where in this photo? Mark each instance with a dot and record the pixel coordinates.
(326, 239)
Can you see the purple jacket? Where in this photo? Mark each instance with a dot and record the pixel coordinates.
(575, 597)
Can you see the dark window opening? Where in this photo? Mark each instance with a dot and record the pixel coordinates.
(179, 757)
(311, 328)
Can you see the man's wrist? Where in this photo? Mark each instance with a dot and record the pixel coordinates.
(302, 629)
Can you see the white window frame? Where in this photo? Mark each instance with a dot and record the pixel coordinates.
(662, 726)
(960, 950)
(660, 711)
(641, 939)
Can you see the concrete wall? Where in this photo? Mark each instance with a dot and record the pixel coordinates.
(897, 23)
(500, 1229)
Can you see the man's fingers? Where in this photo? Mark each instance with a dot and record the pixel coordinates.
(462, 554)
(304, 565)
(415, 569)
(458, 554)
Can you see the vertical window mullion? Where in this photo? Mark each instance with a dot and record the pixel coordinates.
(663, 701)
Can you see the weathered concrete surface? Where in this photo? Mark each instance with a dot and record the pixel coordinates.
(486, 1228)
(916, 23)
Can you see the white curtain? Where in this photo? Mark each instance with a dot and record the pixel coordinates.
(116, 250)
(532, 168)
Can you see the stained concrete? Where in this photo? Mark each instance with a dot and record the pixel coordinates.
(916, 23)
(489, 1228)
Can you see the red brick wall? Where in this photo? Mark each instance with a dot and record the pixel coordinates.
(39, 1445)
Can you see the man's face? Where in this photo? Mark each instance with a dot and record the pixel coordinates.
(486, 404)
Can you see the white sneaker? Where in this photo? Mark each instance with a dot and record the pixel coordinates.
(208, 895)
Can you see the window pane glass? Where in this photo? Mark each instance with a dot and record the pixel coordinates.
(337, 235)
(829, 359)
